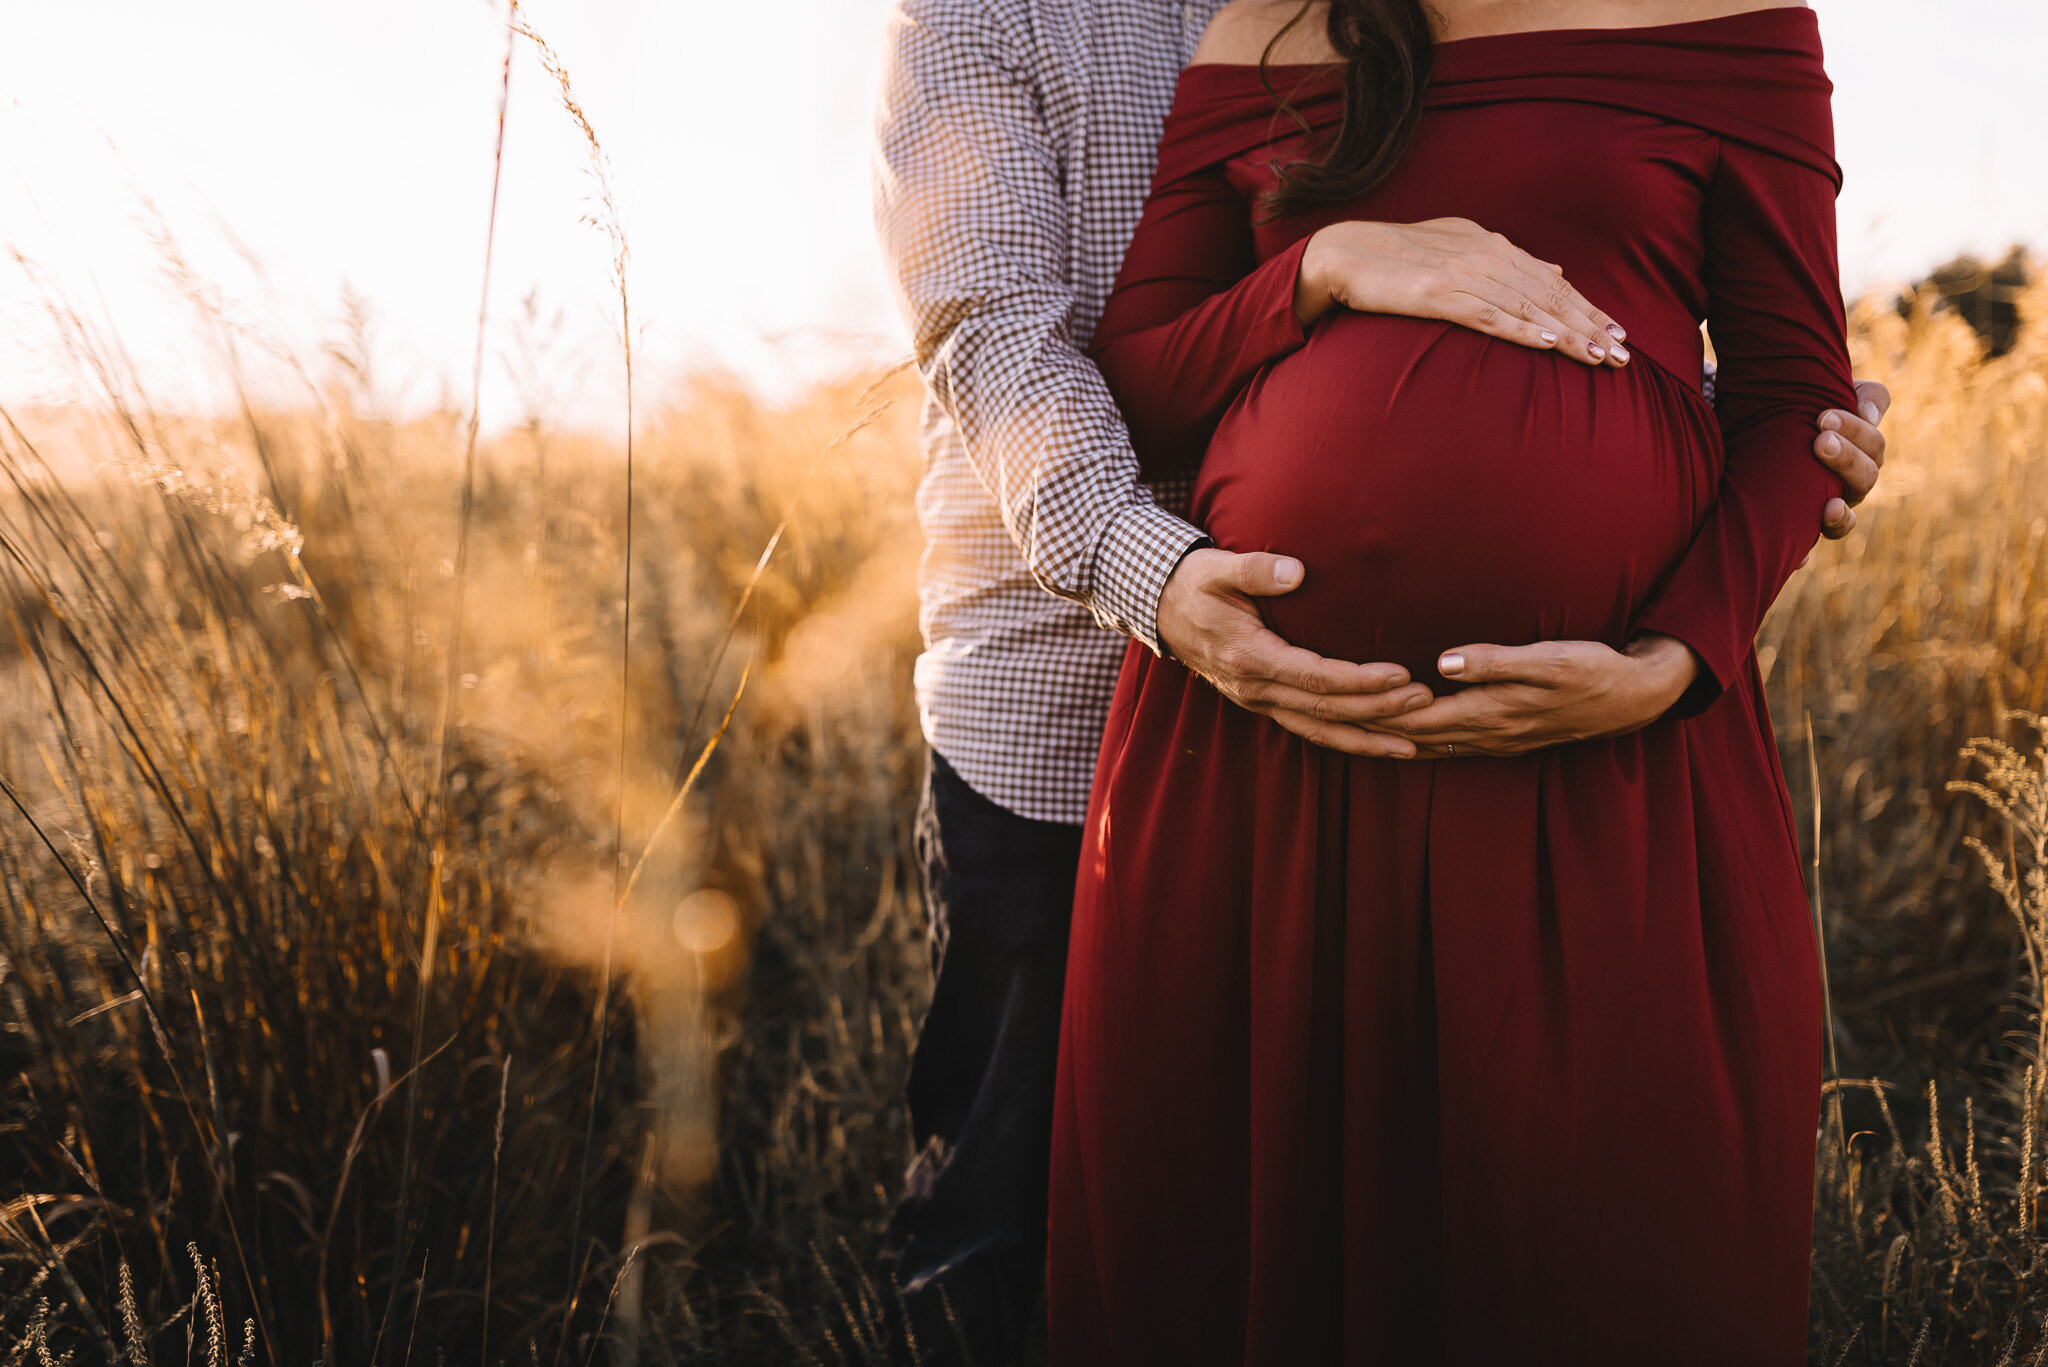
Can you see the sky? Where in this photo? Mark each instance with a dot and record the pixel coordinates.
(346, 151)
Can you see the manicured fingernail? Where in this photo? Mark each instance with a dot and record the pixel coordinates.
(1621, 353)
(1287, 572)
(1870, 414)
(1599, 353)
(1450, 664)
(1617, 332)
(1549, 339)
(1830, 420)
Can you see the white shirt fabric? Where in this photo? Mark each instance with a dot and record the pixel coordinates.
(1014, 147)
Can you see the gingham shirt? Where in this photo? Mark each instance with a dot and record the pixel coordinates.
(1014, 148)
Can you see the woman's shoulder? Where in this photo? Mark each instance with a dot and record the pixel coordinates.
(1746, 71)
(1244, 30)
(1682, 11)
(1652, 13)
(1622, 16)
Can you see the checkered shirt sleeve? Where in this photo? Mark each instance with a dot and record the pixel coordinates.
(978, 225)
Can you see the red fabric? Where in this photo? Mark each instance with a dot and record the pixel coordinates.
(1378, 1062)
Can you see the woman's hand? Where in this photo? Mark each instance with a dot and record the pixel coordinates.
(1453, 269)
(1550, 693)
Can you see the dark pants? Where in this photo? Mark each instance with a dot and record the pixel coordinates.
(969, 1236)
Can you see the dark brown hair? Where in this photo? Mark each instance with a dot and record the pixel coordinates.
(1388, 50)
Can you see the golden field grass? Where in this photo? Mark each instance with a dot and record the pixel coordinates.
(302, 981)
(288, 987)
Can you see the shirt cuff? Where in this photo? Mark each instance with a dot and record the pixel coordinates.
(1140, 550)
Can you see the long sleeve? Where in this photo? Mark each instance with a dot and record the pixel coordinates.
(1775, 314)
(1193, 318)
(973, 221)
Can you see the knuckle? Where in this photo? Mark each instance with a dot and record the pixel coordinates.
(1487, 316)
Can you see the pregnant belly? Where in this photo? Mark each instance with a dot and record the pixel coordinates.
(1447, 489)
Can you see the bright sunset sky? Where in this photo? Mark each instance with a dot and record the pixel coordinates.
(351, 143)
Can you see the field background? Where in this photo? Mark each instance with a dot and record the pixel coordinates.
(326, 1034)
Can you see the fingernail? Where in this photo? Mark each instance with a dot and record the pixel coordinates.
(1549, 339)
(1418, 701)
(1450, 664)
(1621, 353)
(1287, 572)
(1617, 332)
(1870, 414)
(1830, 420)
(1599, 353)
(1833, 444)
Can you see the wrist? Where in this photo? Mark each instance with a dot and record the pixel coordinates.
(1182, 581)
(1312, 292)
(1320, 284)
(1669, 667)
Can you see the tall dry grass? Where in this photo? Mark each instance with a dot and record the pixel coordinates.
(1902, 648)
(223, 698)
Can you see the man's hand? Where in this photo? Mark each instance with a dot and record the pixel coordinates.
(1454, 270)
(1550, 693)
(1208, 620)
(1853, 447)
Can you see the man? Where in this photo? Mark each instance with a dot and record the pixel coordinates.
(1015, 142)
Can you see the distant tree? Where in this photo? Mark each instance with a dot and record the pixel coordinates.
(1986, 297)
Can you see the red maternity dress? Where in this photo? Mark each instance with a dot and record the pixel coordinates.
(1485, 1061)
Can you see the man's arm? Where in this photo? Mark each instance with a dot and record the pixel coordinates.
(972, 221)
(971, 213)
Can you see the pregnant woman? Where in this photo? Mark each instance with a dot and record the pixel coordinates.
(1473, 1060)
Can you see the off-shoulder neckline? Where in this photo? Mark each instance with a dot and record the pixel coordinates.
(1627, 31)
